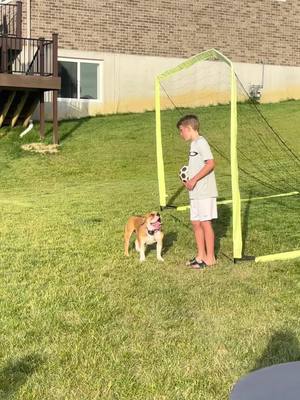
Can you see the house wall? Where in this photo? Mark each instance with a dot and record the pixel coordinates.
(246, 31)
(137, 39)
(127, 83)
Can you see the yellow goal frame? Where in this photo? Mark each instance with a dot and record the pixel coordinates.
(213, 54)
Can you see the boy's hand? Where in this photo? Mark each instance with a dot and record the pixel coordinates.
(190, 184)
(208, 167)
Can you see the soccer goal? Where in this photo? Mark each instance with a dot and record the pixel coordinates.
(253, 161)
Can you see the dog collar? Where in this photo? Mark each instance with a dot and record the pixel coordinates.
(151, 233)
(156, 227)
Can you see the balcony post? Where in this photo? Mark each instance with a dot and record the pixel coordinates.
(4, 55)
(42, 115)
(19, 19)
(41, 64)
(55, 92)
(41, 69)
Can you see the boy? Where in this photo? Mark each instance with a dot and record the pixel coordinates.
(202, 191)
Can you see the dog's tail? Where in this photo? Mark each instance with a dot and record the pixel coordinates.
(129, 229)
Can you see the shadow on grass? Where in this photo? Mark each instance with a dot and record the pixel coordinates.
(4, 131)
(223, 222)
(15, 373)
(245, 223)
(283, 347)
(74, 125)
(175, 195)
(92, 221)
(169, 239)
(221, 225)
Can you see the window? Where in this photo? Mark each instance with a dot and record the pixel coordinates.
(79, 79)
(67, 70)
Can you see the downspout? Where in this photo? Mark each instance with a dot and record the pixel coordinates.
(28, 22)
(28, 35)
(28, 129)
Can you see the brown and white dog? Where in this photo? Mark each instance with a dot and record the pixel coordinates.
(148, 231)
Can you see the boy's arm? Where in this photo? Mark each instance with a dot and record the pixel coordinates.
(205, 170)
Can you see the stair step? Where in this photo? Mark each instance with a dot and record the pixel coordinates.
(17, 107)
(29, 108)
(6, 101)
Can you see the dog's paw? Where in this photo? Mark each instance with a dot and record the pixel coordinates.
(160, 259)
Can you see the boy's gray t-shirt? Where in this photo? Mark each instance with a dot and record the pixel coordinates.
(199, 153)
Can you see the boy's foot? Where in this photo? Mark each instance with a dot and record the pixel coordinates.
(195, 264)
(192, 262)
(210, 263)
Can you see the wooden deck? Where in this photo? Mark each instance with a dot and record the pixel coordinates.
(29, 82)
(28, 69)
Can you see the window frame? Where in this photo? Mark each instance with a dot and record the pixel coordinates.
(78, 61)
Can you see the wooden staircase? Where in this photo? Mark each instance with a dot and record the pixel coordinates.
(28, 69)
(17, 106)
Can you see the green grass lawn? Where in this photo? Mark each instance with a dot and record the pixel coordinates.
(81, 321)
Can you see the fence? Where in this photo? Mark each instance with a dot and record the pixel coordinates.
(27, 56)
(11, 19)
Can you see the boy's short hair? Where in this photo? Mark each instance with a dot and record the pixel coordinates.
(189, 120)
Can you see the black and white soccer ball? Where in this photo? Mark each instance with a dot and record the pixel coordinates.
(184, 173)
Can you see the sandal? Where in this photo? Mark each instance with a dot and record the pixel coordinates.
(198, 265)
(193, 263)
(190, 262)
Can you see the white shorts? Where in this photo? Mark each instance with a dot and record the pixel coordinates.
(204, 209)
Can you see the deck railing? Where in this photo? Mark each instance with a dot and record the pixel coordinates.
(28, 56)
(11, 19)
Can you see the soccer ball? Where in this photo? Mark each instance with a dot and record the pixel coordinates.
(184, 173)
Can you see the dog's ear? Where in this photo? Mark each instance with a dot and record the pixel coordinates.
(145, 218)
